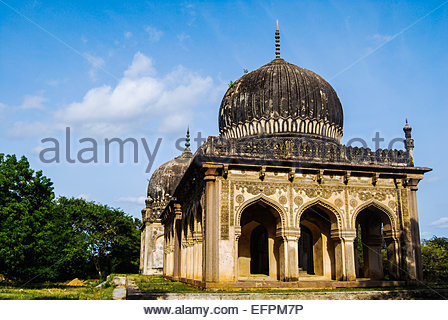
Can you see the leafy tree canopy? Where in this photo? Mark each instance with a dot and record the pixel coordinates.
(435, 259)
(44, 239)
(25, 203)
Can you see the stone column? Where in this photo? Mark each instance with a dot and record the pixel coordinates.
(289, 254)
(392, 257)
(339, 261)
(183, 270)
(147, 261)
(348, 239)
(211, 248)
(170, 256)
(177, 226)
(142, 249)
(339, 255)
(197, 253)
(373, 259)
(190, 256)
(415, 232)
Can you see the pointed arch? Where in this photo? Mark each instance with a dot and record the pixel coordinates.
(263, 199)
(389, 226)
(335, 217)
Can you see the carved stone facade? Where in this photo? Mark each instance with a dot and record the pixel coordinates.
(352, 205)
(276, 200)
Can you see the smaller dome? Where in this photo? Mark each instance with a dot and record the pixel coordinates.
(165, 179)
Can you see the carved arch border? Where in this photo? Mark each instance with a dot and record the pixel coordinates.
(374, 203)
(325, 204)
(274, 204)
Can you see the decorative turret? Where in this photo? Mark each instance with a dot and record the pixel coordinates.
(187, 141)
(409, 142)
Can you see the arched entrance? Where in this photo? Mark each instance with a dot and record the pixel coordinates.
(316, 247)
(258, 246)
(375, 247)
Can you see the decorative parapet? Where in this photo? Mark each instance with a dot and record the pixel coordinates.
(303, 149)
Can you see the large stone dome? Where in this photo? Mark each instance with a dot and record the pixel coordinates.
(281, 99)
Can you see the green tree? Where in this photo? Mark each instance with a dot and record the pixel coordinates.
(105, 237)
(435, 260)
(46, 239)
(25, 207)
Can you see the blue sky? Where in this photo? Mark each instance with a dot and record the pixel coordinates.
(147, 69)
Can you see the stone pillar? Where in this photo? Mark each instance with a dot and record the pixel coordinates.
(190, 256)
(289, 254)
(339, 258)
(415, 232)
(142, 249)
(147, 261)
(170, 255)
(177, 226)
(197, 253)
(339, 255)
(373, 259)
(348, 247)
(392, 257)
(183, 269)
(211, 249)
(143, 240)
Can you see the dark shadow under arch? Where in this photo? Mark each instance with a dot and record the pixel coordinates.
(258, 244)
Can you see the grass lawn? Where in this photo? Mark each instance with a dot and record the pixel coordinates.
(54, 291)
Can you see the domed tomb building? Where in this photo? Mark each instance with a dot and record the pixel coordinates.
(277, 201)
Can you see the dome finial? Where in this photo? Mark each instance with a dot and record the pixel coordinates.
(187, 140)
(277, 43)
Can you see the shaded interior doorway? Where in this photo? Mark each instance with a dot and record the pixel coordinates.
(306, 251)
(259, 256)
(375, 248)
(258, 245)
(316, 247)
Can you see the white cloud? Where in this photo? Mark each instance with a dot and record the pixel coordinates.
(95, 64)
(29, 129)
(441, 223)
(33, 102)
(154, 34)
(128, 34)
(140, 98)
(136, 200)
(141, 66)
